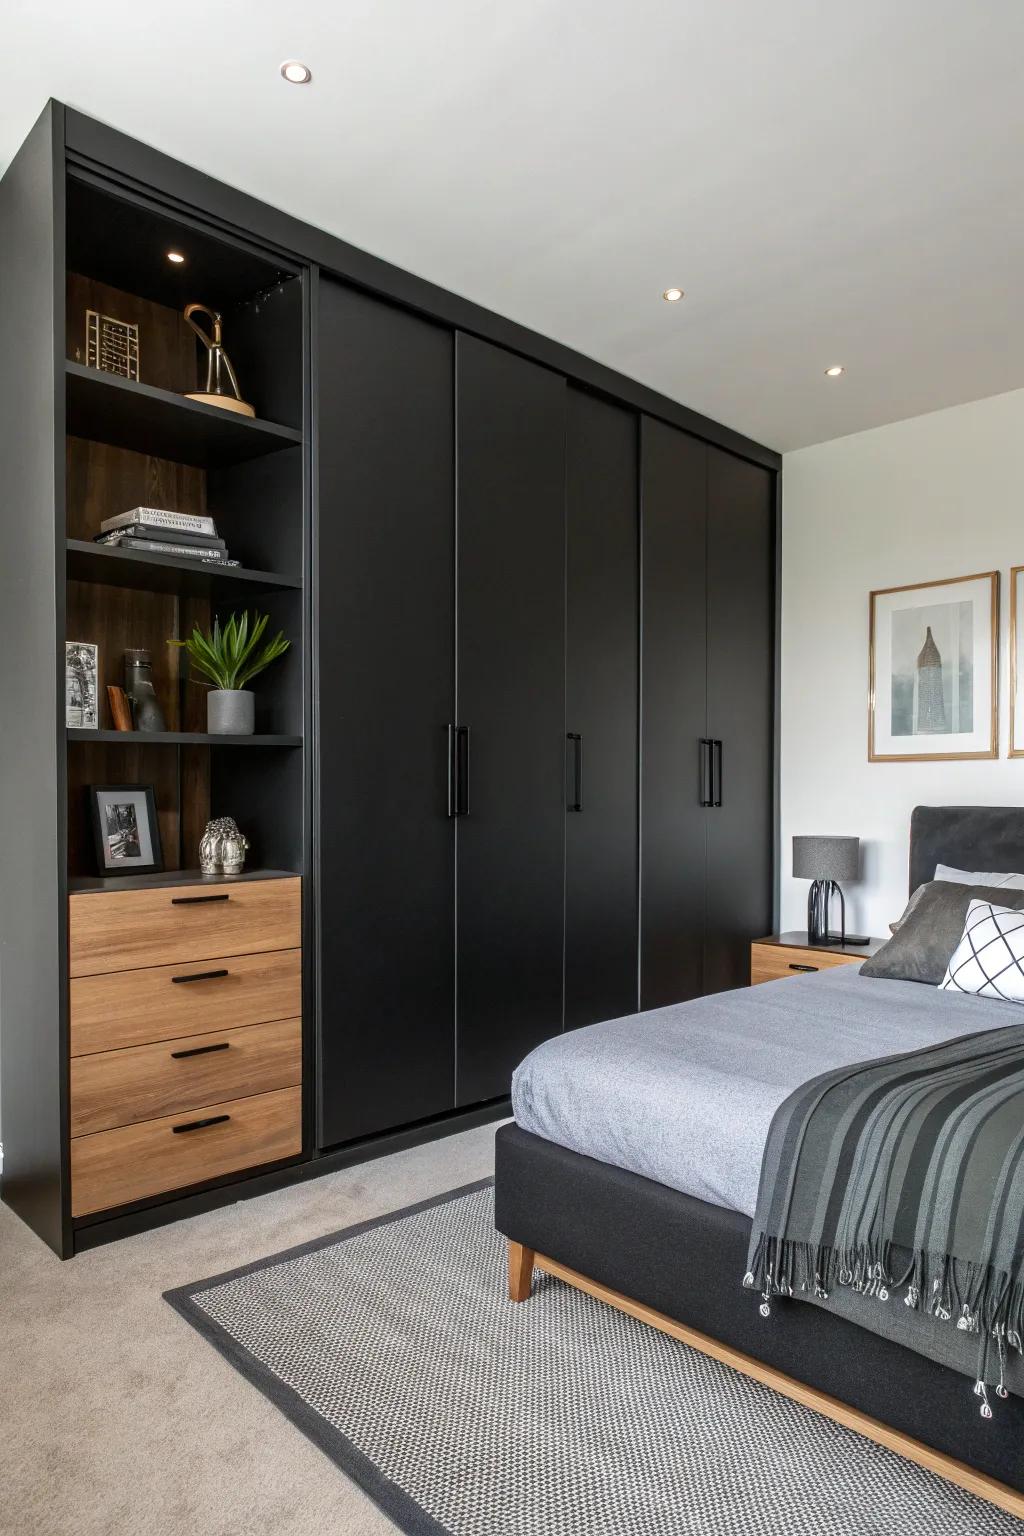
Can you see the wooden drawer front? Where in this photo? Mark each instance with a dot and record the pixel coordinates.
(138, 1161)
(125, 1008)
(120, 1087)
(770, 962)
(123, 930)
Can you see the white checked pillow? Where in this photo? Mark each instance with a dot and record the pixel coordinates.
(989, 960)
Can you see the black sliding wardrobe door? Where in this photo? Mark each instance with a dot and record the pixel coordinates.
(511, 700)
(741, 639)
(385, 608)
(674, 714)
(601, 711)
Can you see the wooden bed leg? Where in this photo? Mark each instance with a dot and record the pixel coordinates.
(520, 1271)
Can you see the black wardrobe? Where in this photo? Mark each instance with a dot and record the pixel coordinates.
(519, 758)
(546, 641)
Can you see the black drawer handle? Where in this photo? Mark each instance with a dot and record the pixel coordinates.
(199, 1125)
(193, 901)
(803, 967)
(201, 1050)
(199, 976)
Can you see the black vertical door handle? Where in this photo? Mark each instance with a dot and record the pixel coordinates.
(707, 796)
(574, 799)
(461, 770)
(717, 773)
(458, 770)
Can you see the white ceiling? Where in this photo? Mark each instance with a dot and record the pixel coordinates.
(829, 181)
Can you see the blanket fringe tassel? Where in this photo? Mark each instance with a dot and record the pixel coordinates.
(985, 1301)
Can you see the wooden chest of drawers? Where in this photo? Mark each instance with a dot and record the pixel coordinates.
(186, 1036)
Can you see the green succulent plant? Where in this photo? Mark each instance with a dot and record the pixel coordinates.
(230, 655)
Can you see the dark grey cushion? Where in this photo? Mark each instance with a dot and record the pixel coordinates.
(911, 904)
(930, 930)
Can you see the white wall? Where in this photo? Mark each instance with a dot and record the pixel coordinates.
(938, 496)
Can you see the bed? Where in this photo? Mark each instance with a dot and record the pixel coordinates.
(652, 1213)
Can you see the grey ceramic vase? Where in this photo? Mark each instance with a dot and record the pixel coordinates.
(230, 712)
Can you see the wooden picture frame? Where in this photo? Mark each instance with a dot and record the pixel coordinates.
(126, 829)
(916, 695)
(1016, 737)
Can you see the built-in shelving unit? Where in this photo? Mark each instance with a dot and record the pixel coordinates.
(143, 443)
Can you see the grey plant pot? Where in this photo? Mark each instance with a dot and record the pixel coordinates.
(230, 712)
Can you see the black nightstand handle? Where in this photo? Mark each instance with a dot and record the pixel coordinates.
(199, 1125)
(803, 967)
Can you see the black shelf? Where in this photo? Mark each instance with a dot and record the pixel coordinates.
(82, 884)
(179, 739)
(111, 566)
(107, 409)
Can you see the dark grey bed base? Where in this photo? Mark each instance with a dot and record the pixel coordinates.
(686, 1259)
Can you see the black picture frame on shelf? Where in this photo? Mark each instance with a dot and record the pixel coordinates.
(125, 829)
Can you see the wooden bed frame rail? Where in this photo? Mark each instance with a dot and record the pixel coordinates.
(523, 1261)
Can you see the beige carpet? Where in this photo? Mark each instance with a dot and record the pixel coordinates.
(117, 1419)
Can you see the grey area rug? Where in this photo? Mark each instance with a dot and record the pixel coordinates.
(393, 1347)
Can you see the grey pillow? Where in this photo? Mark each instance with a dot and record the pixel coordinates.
(911, 904)
(985, 877)
(931, 929)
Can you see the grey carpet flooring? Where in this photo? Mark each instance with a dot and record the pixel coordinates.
(394, 1348)
(118, 1420)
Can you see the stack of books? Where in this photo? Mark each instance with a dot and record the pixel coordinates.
(151, 530)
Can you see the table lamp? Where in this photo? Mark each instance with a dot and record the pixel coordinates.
(825, 861)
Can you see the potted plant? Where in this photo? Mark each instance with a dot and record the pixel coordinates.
(229, 656)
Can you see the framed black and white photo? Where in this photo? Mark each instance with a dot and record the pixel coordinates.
(81, 685)
(1016, 661)
(933, 664)
(126, 829)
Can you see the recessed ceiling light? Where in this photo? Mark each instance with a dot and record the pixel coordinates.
(176, 257)
(834, 371)
(296, 73)
(672, 295)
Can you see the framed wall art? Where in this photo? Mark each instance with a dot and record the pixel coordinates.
(1017, 661)
(126, 830)
(933, 660)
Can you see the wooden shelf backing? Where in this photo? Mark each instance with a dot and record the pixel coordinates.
(179, 739)
(120, 567)
(107, 409)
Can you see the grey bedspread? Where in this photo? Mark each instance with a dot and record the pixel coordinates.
(685, 1095)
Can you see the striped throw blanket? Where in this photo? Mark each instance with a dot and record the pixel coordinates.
(905, 1176)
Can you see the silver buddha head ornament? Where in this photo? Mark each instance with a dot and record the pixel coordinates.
(222, 849)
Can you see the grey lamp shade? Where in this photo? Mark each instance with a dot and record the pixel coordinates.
(826, 858)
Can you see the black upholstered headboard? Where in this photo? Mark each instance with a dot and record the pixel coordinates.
(982, 837)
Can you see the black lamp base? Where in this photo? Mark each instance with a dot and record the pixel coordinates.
(818, 901)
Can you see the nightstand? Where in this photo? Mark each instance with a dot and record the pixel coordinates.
(790, 954)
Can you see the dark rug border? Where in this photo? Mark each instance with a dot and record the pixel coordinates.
(399, 1506)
